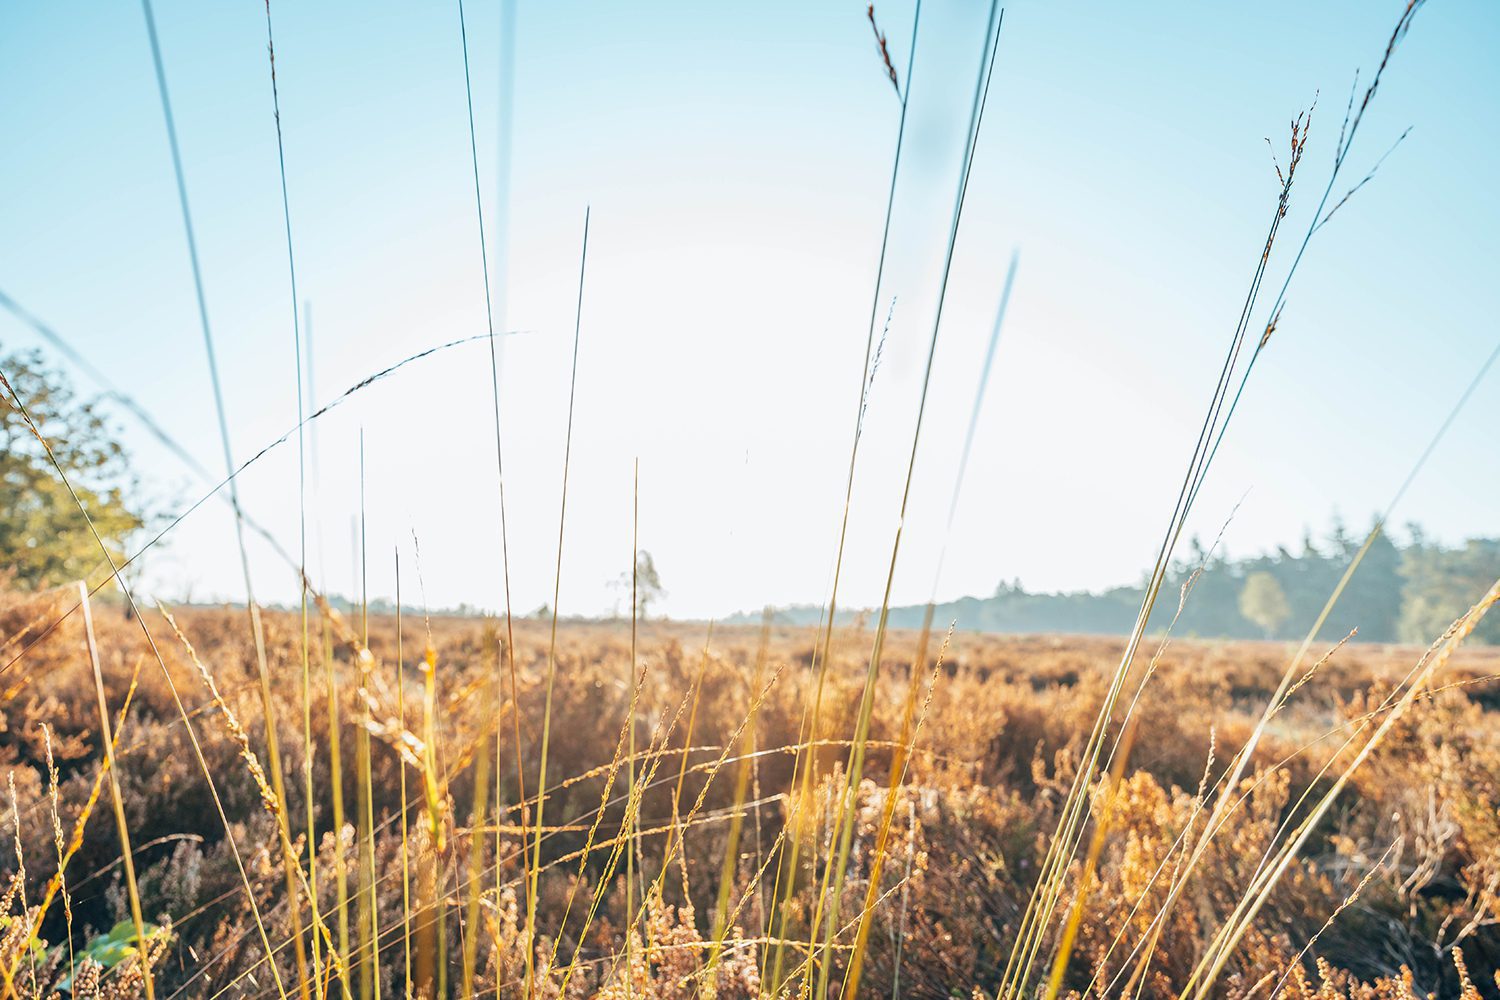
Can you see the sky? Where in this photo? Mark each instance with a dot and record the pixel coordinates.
(734, 160)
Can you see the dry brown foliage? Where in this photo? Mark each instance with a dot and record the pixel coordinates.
(997, 752)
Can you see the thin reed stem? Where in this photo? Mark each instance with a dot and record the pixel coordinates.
(844, 825)
(489, 314)
(911, 727)
(785, 880)
(405, 842)
(116, 799)
(729, 867)
(562, 518)
(273, 748)
(635, 566)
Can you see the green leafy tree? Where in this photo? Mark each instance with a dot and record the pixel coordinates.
(1263, 602)
(44, 538)
(1443, 583)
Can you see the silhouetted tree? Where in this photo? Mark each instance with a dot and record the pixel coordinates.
(647, 584)
(648, 588)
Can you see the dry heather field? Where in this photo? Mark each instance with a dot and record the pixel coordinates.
(239, 804)
(703, 871)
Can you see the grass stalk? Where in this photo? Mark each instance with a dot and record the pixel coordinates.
(405, 839)
(273, 749)
(611, 772)
(476, 861)
(309, 746)
(900, 759)
(336, 779)
(431, 956)
(844, 826)
(20, 881)
(621, 843)
(368, 910)
(271, 802)
(711, 771)
(54, 800)
(541, 784)
(675, 833)
(58, 883)
(117, 801)
(489, 313)
(805, 766)
(729, 867)
(633, 827)
(422, 753)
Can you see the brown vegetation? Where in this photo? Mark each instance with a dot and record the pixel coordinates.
(1393, 895)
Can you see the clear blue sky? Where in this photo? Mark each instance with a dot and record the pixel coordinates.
(735, 157)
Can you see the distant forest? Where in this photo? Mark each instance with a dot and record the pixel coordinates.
(1408, 593)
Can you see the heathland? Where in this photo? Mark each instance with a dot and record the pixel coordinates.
(677, 862)
(246, 802)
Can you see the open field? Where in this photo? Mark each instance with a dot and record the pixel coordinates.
(1407, 860)
(270, 798)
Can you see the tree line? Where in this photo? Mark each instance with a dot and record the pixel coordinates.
(1406, 593)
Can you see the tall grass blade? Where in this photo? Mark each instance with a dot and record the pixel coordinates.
(273, 747)
(118, 802)
(562, 517)
(634, 825)
(368, 910)
(405, 840)
(844, 825)
(911, 726)
(508, 16)
(804, 764)
(729, 868)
